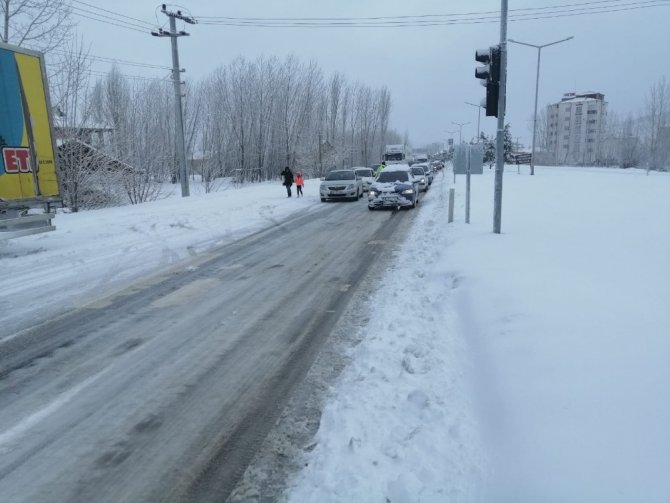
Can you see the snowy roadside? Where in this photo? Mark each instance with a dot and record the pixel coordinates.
(528, 366)
(566, 318)
(93, 253)
(522, 367)
(400, 423)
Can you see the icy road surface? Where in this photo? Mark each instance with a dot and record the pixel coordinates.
(163, 391)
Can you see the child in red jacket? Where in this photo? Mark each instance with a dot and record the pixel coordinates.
(299, 183)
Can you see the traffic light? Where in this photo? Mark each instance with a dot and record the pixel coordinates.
(490, 77)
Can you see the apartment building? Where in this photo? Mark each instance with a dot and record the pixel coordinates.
(575, 128)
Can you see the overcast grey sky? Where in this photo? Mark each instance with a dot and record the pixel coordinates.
(429, 69)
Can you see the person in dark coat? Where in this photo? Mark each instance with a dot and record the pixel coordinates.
(287, 180)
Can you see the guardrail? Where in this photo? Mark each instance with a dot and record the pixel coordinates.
(26, 225)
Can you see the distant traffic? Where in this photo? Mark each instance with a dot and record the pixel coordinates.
(395, 183)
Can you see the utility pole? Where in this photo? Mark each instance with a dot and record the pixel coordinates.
(176, 80)
(500, 149)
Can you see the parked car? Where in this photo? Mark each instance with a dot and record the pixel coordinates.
(395, 187)
(420, 175)
(367, 175)
(341, 184)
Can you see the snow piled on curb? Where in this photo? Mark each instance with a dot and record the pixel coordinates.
(400, 426)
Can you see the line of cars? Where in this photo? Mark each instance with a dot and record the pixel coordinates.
(396, 186)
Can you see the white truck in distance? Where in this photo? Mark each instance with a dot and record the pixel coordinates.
(397, 154)
(420, 158)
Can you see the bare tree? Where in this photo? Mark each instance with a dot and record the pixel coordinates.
(112, 101)
(367, 123)
(264, 98)
(658, 124)
(193, 105)
(541, 131)
(39, 24)
(384, 109)
(258, 117)
(213, 133)
(69, 95)
(629, 144)
(85, 171)
(142, 142)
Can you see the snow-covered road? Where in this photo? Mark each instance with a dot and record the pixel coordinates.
(163, 389)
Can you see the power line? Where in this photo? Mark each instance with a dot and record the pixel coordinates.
(419, 16)
(422, 20)
(104, 59)
(144, 31)
(546, 12)
(100, 17)
(113, 13)
(98, 73)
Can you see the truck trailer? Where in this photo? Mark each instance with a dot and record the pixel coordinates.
(29, 187)
(397, 154)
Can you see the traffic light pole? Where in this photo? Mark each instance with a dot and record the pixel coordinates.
(500, 143)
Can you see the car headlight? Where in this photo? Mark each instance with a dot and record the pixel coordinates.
(350, 187)
(372, 192)
(408, 191)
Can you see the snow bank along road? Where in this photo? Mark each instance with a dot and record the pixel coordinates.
(161, 392)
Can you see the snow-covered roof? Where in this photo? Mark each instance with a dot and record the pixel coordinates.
(583, 96)
(578, 100)
(397, 167)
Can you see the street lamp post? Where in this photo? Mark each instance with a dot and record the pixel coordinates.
(479, 115)
(452, 140)
(537, 83)
(450, 132)
(460, 130)
(447, 139)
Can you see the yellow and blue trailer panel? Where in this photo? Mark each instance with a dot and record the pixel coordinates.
(24, 115)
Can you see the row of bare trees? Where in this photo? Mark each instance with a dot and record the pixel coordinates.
(114, 136)
(259, 116)
(248, 119)
(642, 140)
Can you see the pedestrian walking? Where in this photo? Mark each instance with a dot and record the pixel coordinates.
(299, 184)
(287, 180)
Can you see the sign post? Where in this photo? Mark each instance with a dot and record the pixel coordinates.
(468, 160)
(467, 190)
